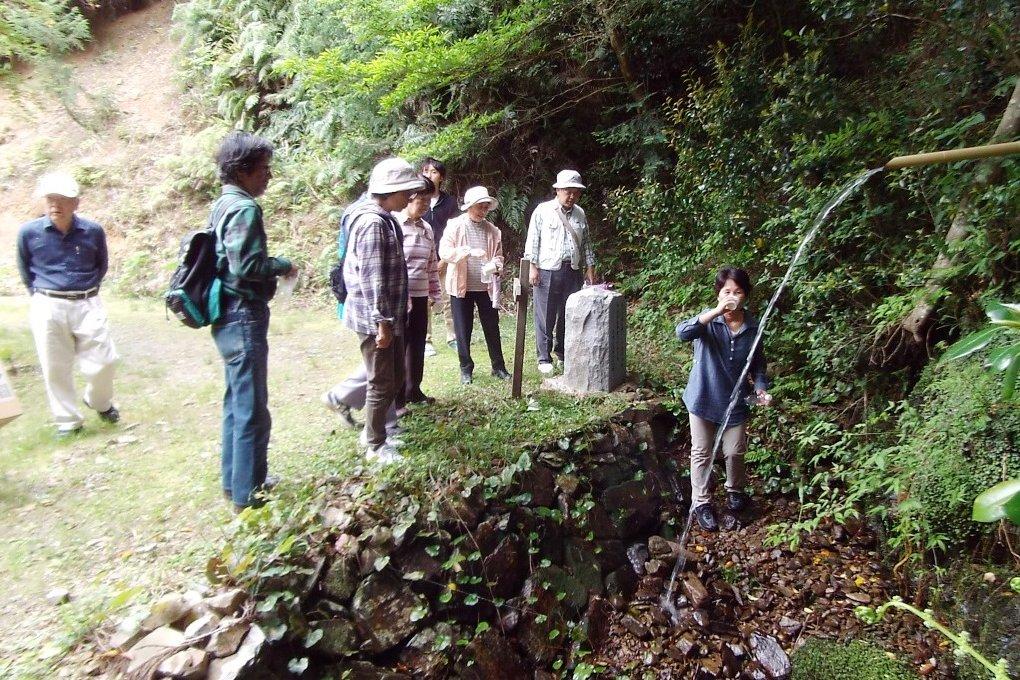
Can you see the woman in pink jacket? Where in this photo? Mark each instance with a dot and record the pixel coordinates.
(472, 246)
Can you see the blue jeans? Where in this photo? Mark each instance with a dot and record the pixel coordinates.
(241, 338)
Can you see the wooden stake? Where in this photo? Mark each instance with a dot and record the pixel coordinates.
(522, 284)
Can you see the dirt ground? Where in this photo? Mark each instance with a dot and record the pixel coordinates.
(123, 85)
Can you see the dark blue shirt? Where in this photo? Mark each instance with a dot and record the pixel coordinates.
(51, 260)
(719, 358)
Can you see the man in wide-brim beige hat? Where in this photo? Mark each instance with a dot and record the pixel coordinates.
(376, 308)
(559, 248)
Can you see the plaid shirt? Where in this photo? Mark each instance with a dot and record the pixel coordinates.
(244, 266)
(375, 273)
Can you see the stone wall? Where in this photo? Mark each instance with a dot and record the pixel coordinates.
(509, 584)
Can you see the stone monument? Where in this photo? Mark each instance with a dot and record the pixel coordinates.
(595, 346)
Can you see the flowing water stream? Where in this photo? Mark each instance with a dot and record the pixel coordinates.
(667, 601)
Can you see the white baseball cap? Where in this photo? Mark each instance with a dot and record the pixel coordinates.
(568, 179)
(478, 195)
(58, 184)
(392, 175)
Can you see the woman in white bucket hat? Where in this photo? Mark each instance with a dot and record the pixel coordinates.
(470, 244)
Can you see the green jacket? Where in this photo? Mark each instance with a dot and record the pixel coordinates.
(242, 262)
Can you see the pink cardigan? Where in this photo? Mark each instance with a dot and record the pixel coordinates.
(455, 236)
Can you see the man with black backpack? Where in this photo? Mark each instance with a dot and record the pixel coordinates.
(248, 276)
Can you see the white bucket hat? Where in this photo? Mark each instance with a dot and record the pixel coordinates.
(393, 175)
(478, 195)
(59, 184)
(568, 179)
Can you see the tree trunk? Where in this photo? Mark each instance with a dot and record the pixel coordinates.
(986, 174)
(619, 47)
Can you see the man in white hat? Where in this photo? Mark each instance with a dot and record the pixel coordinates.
(376, 308)
(62, 258)
(558, 246)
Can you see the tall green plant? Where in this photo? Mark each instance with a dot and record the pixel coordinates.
(1004, 318)
(32, 29)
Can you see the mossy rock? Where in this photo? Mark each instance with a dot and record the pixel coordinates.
(960, 438)
(821, 659)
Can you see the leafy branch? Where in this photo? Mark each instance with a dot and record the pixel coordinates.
(964, 648)
(1004, 318)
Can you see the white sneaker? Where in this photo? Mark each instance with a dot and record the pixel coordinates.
(383, 454)
(391, 440)
(430, 350)
(545, 368)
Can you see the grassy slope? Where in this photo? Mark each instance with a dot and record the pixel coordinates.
(138, 504)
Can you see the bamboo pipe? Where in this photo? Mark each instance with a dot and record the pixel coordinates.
(965, 154)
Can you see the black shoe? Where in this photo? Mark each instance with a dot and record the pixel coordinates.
(500, 373)
(706, 517)
(110, 415)
(465, 377)
(737, 501)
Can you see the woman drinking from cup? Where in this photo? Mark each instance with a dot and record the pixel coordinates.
(722, 344)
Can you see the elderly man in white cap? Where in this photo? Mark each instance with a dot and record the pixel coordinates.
(472, 247)
(376, 309)
(62, 258)
(558, 246)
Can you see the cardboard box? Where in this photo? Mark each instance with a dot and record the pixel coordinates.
(10, 407)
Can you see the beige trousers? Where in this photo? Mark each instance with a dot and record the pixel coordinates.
(734, 445)
(65, 330)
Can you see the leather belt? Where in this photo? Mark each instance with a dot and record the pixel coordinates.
(68, 294)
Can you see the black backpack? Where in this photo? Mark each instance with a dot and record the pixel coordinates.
(336, 274)
(194, 293)
(336, 282)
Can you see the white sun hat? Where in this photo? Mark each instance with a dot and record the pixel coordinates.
(57, 184)
(392, 175)
(478, 195)
(568, 179)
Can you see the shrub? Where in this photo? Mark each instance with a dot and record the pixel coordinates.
(32, 29)
(960, 440)
(821, 659)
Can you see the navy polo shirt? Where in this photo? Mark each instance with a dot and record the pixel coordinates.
(719, 358)
(51, 260)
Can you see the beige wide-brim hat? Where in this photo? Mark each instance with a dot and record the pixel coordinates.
(568, 179)
(393, 175)
(476, 195)
(57, 184)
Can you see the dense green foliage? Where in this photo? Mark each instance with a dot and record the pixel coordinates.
(925, 460)
(708, 133)
(31, 29)
(858, 660)
(1005, 318)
